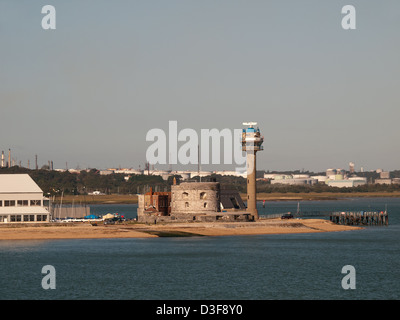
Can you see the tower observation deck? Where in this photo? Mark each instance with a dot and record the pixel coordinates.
(251, 143)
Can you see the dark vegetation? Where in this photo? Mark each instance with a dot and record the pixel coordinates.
(54, 183)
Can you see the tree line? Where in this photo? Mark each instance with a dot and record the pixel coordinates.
(55, 183)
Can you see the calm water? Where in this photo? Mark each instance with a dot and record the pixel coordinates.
(304, 266)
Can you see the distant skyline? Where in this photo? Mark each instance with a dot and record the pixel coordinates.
(88, 92)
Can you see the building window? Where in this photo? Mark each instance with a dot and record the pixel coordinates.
(1, 203)
(203, 195)
(186, 204)
(35, 202)
(185, 194)
(205, 205)
(22, 203)
(15, 218)
(9, 203)
(40, 217)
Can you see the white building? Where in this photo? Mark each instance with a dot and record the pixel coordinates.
(21, 200)
(320, 178)
(295, 181)
(383, 181)
(345, 183)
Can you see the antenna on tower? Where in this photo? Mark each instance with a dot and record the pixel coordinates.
(198, 162)
(251, 124)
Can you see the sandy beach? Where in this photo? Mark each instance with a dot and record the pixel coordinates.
(87, 231)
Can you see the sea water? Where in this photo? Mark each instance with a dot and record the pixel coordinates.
(261, 267)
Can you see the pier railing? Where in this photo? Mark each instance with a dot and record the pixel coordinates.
(366, 218)
(360, 218)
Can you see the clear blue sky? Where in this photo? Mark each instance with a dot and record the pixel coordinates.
(88, 92)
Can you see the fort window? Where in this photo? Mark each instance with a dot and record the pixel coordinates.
(185, 194)
(203, 195)
(186, 204)
(205, 204)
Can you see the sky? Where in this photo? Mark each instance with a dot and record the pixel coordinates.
(88, 92)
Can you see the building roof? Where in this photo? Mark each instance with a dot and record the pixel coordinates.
(23, 210)
(230, 199)
(18, 183)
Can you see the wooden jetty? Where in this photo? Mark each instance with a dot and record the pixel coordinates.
(366, 218)
(360, 218)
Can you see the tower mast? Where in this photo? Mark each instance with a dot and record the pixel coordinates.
(251, 143)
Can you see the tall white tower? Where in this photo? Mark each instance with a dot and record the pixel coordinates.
(351, 167)
(251, 143)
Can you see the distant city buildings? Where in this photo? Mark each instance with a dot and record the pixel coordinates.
(333, 177)
(384, 178)
(165, 174)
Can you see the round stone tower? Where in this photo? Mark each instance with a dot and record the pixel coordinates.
(191, 198)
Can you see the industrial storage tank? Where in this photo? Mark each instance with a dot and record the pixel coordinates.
(184, 175)
(331, 172)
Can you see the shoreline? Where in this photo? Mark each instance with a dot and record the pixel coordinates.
(85, 230)
(311, 196)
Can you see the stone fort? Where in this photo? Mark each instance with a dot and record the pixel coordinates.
(192, 201)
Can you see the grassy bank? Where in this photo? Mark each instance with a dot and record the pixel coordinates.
(323, 195)
(99, 199)
(133, 199)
